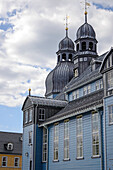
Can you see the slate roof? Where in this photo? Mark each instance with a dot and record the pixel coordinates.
(85, 102)
(47, 102)
(5, 138)
(86, 77)
(59, 77)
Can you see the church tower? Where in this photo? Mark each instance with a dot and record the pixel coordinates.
(86, 46)
(63, 72)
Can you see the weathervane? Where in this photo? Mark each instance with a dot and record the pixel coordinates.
(66, 24)
(87, 4)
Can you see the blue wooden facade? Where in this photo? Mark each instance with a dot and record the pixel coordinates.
(72, 126)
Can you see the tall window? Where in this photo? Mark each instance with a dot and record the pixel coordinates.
(110, 112)
(75, 94)
(41, 115)
(83, 46)
(79, 131)
(56, 141)
(89, 89)
(76, 72)
(110, 80)
(90, 46)
(95, 133)
(44, 158)
(30, 115)
(66, 139)
(4, 161)
(26, 116)
(30, 137)
(99, 84)
(85, 90)
(16, 162)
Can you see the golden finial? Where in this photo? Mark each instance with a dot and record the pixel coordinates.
(86, 7)
(29, 92)
(67, 17)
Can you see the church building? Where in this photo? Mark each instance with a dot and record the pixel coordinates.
(71, 127)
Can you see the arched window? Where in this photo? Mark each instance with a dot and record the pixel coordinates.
(63, 57)
(83, 46)
(58, 58)
(10, 146)
(77, 47)
(70, 57)
(90, 46)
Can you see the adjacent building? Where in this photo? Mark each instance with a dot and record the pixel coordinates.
(71, 127)
(10, 151)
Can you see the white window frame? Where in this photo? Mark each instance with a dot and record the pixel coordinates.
(95, 134)
(76, 72)
(26, 116)
(56, 141)
(110, 80)
(97, 84)
(10, 146)
(79, 137)
(89, 89)
(85, 91)
(41, 114)
(66, 139)
(4, 161)
(30, 114)
(101, 84)
(17, 162)
(110, 113)
(44, 156)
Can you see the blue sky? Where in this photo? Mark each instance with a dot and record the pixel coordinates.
(30, 31)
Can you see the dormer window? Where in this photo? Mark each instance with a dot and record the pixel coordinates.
(76, 72)
(10, 146)
(41, 114)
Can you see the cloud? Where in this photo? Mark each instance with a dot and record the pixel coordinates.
(28, 46)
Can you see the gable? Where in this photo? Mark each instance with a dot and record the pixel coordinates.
(107, 63)
(27, 103)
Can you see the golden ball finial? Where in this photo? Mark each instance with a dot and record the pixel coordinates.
(85, 13)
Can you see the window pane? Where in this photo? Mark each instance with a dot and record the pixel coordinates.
(95, 134)
(56, 140)
(44, 159)
(79, 132)
(66, 140)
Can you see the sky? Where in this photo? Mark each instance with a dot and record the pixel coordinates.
(30, 31)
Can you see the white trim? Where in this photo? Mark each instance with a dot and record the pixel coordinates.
(57, 125)
(66, 137)
(71, 115)
(79, 135)
(97, 133)
(6, 160)
(18, 161)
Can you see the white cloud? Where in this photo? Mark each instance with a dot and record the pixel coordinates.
(29, 48)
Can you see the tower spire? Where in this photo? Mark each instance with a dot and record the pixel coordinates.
(67, 17)
(86, 7)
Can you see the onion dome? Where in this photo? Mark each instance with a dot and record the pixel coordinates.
(66, 43)
(58, 78)
(86, 30)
